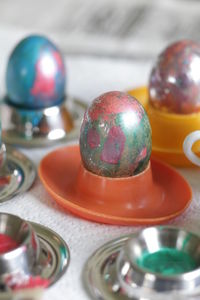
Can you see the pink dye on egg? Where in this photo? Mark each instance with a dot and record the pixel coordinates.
(7, 243)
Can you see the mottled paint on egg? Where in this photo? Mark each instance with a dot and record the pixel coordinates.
(35, 75)
(174, 84)
(115, 138)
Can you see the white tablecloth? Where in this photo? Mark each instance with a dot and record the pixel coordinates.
(88, 77)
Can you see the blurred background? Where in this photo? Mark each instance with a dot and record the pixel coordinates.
(92, 34)
(107, 45)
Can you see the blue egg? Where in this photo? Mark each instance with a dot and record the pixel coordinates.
(35, 75)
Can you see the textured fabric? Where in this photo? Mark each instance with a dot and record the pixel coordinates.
(88, 77)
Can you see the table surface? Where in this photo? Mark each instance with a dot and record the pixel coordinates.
(87, 78)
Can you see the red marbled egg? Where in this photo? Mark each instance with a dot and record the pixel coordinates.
(115, 139)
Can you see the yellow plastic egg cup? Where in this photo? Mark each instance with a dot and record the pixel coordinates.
(168, 131)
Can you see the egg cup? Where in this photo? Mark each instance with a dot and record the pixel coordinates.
(169, 131)
(17, 173)
(41, 127)
(153, 196)
(38, 252)
(113, 271)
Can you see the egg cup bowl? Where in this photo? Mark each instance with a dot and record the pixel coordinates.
(169, 131)
(112, 272)
(153, 196)
(25, 256)
(17, 173)
(41, 127)
(39, 252)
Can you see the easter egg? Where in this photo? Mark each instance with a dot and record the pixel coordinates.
(35, 75)
(174, 84)
(115, 137)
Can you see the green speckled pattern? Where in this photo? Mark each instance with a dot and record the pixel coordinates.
(167, 261)
(115, 139)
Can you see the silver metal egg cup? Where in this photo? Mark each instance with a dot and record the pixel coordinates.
(112, 272)
(17, 173)
(40, 252)
(42, 127)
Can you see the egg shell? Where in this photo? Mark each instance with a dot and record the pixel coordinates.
(115, 138)
(174, 84)
(35, 75)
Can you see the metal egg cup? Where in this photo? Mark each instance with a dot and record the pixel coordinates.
(112, 272)
(40, 252)
(41, 127)
(17, 173)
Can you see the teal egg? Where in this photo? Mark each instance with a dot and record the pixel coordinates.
(35, 75)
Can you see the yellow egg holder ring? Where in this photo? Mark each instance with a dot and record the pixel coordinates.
(168, 131)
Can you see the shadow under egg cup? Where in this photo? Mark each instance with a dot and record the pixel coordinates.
(169, 131)
(41, 127)
(153, 196)
(115, 271)
(37, 252)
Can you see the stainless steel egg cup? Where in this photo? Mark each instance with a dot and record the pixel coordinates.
(112, 272)
(40, 252)
(17, 173)
(24, 257)
(41, 127)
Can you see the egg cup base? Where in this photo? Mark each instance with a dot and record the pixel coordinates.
(42, 127)
(16, 175)
(54, 255)
(156, 195)
(30, 250)
(177, 159)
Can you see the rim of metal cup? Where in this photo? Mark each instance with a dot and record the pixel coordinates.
(133, 278)
(25, 255)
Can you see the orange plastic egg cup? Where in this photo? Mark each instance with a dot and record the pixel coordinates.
(154, 196)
